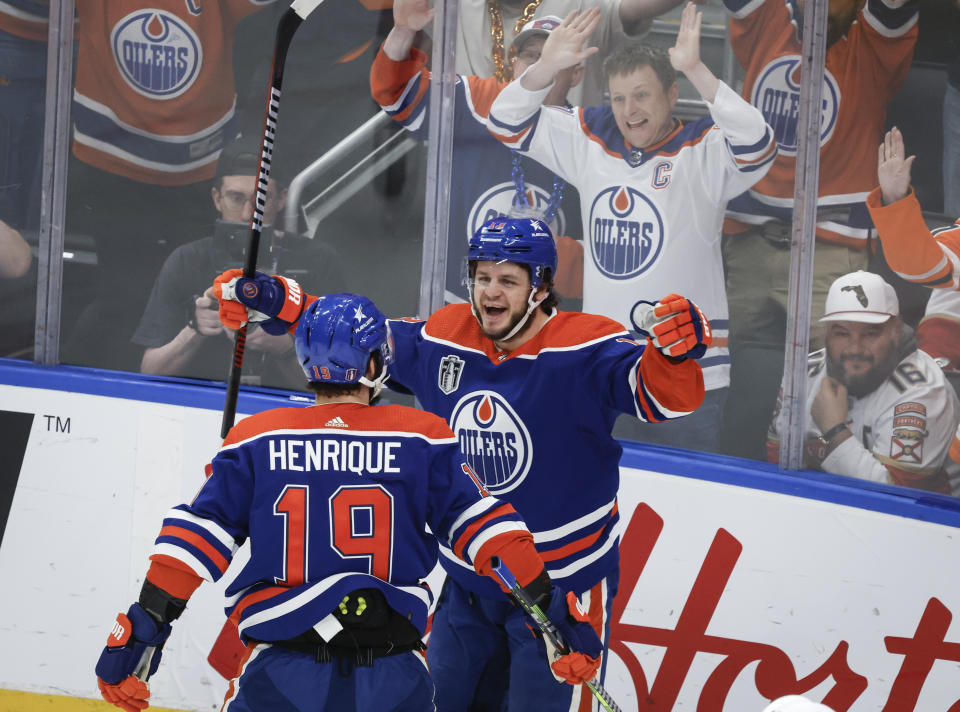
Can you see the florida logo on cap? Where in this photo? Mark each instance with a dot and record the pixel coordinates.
(858, 293)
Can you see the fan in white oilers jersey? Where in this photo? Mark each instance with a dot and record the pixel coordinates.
(652, 190)
(880, 408)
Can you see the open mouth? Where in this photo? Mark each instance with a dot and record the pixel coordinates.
(636, 124)
(494, 312)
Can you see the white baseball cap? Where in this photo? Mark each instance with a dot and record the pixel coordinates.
(861, 296)
(795, 703)
(537, 26)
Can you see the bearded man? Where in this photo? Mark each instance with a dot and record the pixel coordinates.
(880, 409)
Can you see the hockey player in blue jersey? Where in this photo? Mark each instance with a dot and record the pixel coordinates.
(532, 394)
(334, 500)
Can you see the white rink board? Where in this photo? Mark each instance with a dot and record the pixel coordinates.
(788, 581)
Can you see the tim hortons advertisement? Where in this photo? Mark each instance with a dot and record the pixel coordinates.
(729, 596)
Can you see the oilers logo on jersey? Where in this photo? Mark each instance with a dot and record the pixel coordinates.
(451, 368)
(158, 55)
(777, 95)
(498, 200)
(493, 439)
(626, 232)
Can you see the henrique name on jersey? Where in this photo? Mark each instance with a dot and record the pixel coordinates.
(333, 454)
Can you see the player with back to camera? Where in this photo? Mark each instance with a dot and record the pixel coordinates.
(532, 394)
(334, 499)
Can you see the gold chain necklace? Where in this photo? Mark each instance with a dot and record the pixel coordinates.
(501, 69)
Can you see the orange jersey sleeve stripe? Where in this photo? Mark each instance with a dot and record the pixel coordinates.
(172, 576)
(470, 531)
(483, 92)
(910, 248)
(516, 549)
(676, 386)
(194, 539)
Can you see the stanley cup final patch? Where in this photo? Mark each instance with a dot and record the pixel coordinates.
(451, 368)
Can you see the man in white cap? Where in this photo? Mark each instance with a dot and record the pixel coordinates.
(880, 409)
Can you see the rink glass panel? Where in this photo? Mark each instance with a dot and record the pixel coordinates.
(23, 49)
(369, 232)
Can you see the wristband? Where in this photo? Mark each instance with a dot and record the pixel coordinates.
(832, 433)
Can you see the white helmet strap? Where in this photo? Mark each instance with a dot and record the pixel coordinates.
(531, 305)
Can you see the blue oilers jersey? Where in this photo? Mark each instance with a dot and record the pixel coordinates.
(535, 423)
(333, 498)
(482, 182)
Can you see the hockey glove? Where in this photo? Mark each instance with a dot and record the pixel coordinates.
(272, 301)
(581, 662)
(131, 656)
(674, 325)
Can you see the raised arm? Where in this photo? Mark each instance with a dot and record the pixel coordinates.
(893, 167)
(911, 250)
(685, 54)
(409, 17)
(564, 48)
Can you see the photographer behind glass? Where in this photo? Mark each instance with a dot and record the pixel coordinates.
(180, 328)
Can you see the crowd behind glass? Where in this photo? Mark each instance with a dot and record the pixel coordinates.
(159, 189)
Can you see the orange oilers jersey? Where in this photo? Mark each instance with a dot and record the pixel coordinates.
(28, 19)
(154, 98)
(864, 70)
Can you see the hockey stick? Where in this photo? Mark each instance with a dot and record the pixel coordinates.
(546, 627)
(291, 20)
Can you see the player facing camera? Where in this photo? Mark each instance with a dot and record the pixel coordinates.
(511, 263)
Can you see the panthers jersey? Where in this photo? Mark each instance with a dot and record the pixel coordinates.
(154, 97)
(864, 70)
(901, 431)
(482, 183)
(651, 217)
(560, 472)
(333, 498)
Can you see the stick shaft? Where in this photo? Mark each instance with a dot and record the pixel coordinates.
(291, 20)
(546, 627)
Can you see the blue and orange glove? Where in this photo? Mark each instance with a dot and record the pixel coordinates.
(274, 302)
(581, 663)
(674, 325)
(131, 656)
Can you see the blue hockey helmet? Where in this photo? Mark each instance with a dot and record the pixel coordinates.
(337, 335)
(521, 240)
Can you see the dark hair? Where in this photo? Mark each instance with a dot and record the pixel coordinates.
(335, 390)
(550, 301)
(634, 55)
